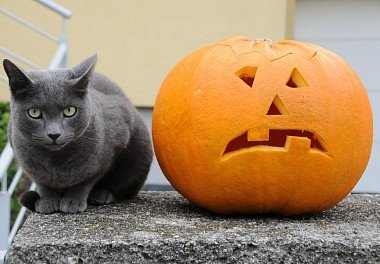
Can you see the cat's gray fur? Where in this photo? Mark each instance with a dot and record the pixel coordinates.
(104, 151)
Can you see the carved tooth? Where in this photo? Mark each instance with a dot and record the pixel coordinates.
(258, 134)
(300, 144)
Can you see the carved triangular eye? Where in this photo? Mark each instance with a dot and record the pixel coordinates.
(296, 80)
(247, 75)
(277, 107)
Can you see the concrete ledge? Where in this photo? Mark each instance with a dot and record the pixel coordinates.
(163, 227)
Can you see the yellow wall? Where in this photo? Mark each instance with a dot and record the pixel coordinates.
(139, 41)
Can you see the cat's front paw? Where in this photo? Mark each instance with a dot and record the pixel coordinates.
(72, 205)
(47, 205)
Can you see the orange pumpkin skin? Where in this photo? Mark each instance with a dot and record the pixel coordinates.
(222, 148)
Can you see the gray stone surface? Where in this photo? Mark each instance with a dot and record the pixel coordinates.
(162, 227)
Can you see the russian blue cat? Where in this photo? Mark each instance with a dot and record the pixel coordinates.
(76, 134)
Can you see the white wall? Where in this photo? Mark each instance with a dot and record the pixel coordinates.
(351, 29)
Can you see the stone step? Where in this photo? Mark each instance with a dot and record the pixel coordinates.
(162, 227)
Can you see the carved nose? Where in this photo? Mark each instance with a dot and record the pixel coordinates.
(54, 136)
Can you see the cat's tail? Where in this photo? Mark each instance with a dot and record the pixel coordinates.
(29, 199)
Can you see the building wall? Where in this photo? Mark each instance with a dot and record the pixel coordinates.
(139, 41)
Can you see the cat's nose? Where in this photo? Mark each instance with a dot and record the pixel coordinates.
(54, 136)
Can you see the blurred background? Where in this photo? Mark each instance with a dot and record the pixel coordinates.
(139, 41)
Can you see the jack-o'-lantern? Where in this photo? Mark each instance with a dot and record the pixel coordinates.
(247, 126)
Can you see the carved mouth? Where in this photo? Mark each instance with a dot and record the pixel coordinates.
(273, 138)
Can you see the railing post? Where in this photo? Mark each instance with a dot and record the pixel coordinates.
(5, 214)
(63, 39)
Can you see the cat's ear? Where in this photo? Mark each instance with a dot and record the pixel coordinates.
(19, 82)
(82, 72)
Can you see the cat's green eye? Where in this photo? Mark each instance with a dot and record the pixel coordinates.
(34, 113)
(70, 111)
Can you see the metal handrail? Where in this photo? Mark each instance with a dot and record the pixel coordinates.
(6, 157)
(14, 182)
(19, 58)
(18, 220)
(29, 25)
(58, 56)
(56, 8)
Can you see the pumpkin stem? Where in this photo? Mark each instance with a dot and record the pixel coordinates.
(263, 39)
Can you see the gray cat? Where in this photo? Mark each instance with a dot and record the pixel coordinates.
(76, 134)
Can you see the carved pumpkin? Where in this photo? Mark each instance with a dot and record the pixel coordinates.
(246, 126)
